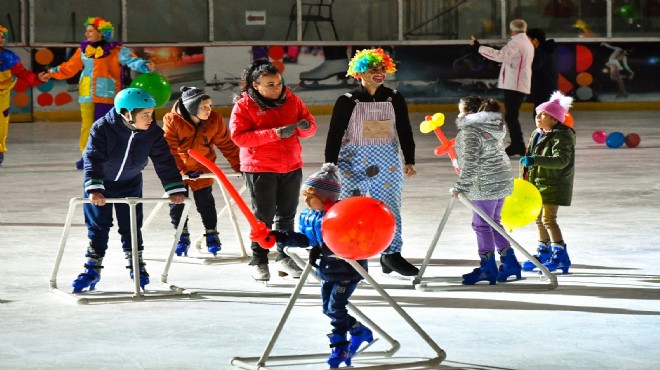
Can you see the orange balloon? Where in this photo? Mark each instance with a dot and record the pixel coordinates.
(279, 65)
(358, 227)
(568, 121)
(43, 56)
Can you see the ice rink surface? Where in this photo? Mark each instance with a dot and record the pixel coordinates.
(605, 314)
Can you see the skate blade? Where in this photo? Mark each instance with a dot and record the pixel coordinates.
(362, 349)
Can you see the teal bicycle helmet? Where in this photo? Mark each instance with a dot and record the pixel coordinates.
(133, 98)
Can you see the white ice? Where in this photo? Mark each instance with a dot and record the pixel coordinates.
(605, 314)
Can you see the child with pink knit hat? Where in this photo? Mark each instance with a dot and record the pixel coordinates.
(549, 164)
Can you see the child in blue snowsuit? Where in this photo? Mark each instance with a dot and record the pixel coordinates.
(119, 147)
(338, 278)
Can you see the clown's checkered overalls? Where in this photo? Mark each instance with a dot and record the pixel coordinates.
(369, 160)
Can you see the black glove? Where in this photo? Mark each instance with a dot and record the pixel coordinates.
(193, 174)
(314, 254)
(280, 237)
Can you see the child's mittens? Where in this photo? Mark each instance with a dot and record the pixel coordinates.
(193, 174)
(527, 161)
(315, 254)
(281, 237)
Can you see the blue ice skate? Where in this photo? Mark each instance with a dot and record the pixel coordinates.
(183, 246)
(559, 259)
(487, 271)
(144, 275)
(543, 255)
(340, 352)
(213, 243)
(359, 334)
(89, 277)
(509, 266)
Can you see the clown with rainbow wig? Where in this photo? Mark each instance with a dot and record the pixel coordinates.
(368, 129)
(11, 70)
(101, 61)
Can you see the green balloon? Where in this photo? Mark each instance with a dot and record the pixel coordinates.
(628, 11)
(156, 85)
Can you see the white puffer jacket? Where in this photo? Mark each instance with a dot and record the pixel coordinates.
(516, 58)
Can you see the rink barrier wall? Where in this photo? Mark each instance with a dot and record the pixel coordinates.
(62, 116)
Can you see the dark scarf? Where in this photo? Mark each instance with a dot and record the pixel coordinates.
(265, 103)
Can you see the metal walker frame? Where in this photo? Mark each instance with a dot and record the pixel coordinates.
(420, 284)
(138, 295)
(198, 242)
(259, 363)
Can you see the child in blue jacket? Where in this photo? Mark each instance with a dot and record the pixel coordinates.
(119, 147)
(338, 278)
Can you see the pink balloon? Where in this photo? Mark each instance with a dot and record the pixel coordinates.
(599, 136)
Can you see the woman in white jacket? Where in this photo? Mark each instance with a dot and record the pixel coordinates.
(515, 78)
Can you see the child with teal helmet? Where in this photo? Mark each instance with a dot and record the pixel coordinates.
(120, 145)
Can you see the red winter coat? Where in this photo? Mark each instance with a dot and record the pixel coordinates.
(182, 135)
(253, 130)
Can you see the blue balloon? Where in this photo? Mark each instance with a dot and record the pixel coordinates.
(615, 139)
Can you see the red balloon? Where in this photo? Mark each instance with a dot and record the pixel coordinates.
(358, 227)
(632, 140)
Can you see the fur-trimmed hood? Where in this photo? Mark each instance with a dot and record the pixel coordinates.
(490, 122)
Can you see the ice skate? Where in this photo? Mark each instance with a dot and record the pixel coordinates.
(543, 254)
(89, 277)
(213, 243)
(144, 275)
(288, 266)
(260, 272)
(509, 266)
(326, 70)
(559, 259)
(184, 245)
(487, 271)
(340, 352)
(359, 334)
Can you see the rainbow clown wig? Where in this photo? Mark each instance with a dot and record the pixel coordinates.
(369, 58)
(5, 33)
(102, 26)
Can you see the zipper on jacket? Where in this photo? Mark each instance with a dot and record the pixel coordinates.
(128, 149)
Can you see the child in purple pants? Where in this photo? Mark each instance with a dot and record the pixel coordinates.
(486, 179)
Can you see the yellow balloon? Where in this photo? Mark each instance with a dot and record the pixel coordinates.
(522, 206)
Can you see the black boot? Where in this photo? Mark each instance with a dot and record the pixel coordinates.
(394, 262)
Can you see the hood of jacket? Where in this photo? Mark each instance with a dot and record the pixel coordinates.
(490, 122)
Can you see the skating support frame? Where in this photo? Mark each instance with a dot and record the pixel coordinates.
(291, 360)
(223, 258)
(138, 295)
(420, 283)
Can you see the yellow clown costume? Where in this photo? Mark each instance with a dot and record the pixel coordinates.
(11, 70)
